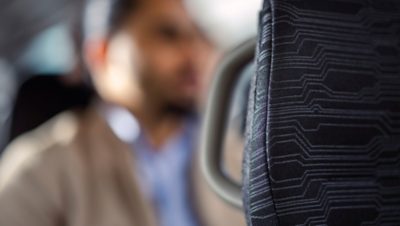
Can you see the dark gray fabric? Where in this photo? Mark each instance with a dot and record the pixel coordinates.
(323, 139)
(256, 187)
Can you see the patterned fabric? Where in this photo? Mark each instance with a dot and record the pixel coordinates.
(323, 136)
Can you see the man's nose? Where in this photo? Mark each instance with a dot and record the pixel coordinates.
(189, 49)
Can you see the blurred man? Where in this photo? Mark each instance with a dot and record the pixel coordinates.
(128, 159)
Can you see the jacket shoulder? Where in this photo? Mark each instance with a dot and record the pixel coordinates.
(38, 146)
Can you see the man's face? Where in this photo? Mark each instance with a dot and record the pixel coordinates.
(160, 54)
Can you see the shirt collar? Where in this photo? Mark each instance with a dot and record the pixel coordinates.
(127, 128)
(124, 125)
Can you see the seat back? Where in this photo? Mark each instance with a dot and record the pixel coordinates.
(323, 131)
(41, 98)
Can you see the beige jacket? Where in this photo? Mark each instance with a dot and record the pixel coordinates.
(73, 171)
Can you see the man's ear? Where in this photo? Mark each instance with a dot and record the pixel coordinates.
(95, 54)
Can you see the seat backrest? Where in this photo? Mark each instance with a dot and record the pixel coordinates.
(323, 131)
(42, 97)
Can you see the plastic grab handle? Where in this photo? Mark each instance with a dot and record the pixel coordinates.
(215, 121)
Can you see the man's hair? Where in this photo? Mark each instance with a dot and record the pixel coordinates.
(102, 18)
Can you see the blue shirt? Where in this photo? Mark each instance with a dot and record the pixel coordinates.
(163, 173)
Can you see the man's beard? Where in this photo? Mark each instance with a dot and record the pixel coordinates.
(170, 102)
(180, 110)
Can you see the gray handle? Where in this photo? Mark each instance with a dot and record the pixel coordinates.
(215, 121)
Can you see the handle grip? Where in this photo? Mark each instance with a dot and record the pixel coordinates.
(215, 122)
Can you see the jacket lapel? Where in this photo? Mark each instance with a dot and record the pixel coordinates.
(119, 158)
